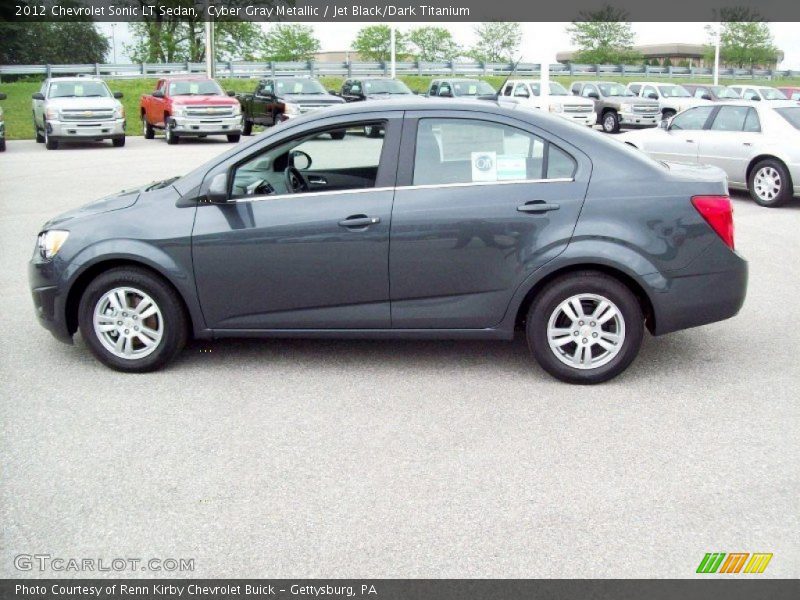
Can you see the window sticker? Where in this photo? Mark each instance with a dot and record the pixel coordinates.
(511, 167)
(484, 166)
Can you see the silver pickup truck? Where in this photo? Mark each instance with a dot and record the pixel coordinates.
(77, 109)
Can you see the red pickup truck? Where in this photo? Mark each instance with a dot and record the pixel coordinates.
(190, 107)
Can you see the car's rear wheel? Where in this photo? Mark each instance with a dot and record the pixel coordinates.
(770, 184)
(585, 327)
(248, 127)
(611, 122)
(2, 144)
(147, 130)
(234, 138)
(132, 320)
(118, 142)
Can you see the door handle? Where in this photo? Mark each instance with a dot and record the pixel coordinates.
(537, 206)
(747, 143)
(317, 180)
(690, 141)
(355, 221)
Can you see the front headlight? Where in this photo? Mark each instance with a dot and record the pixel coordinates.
(119, 112)
(237, 110)
(626, 108)
(556, 108)
(50, 242)
(178, 110)
(51, 113)
(291, 109)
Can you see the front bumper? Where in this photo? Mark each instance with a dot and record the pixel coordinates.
(587, 119)
(49, 303)
(91, 130)
(194, 126)
(637, 120)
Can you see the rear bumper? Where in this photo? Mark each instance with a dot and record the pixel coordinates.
(94, 130)
(697, 299)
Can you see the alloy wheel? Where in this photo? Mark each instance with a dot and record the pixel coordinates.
(128, 323)
(586, 331)
(768, 183)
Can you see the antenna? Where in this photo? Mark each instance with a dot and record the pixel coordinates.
(510, 75)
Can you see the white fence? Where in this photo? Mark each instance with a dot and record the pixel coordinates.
(350, 69)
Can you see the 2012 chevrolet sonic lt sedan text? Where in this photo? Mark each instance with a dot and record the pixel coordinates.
(457, 220)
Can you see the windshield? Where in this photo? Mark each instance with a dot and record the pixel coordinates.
(614, 89)
(386, 86)
(791, 114)
(723, 92)
(78, 89)
(207, 87)
(299, 86)
(674, 91)
(772, 94)
(472, 87)
(556, 89)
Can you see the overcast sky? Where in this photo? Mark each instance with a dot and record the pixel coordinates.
(539, 40)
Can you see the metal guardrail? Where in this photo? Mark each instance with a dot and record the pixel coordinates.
(234, 69)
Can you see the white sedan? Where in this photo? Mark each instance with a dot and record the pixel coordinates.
(756, 144)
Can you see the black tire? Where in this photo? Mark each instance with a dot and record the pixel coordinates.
(234, 138)
(169, 134)
(2, 144)
(667, 114)
(147, 129)
(248, 128)
(546, 305)
(118, 142)
(39, 135)
(611, 122)
(783, 182)
(175, 323)
(49, 143)
(338, 135)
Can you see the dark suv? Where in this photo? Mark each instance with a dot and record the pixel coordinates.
(462, 220)
(375, 88)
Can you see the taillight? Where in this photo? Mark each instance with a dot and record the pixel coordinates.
(718, 212)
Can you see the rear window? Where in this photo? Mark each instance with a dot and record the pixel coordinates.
(791, 114)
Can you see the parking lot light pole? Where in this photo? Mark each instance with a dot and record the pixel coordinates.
(716, 53)
(392, 43)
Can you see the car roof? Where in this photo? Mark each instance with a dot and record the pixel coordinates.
(97, 79)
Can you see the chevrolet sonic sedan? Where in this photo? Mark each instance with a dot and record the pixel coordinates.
(460, 220)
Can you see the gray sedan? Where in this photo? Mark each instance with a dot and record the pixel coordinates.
(460, 220)
(756, 144)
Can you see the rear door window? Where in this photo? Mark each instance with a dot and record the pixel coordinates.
(694, 118)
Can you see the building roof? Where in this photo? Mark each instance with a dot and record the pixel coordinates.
(673, 50)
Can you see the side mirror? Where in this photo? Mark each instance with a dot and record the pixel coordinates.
(158, 94)
(663, 124)
(755, 99)
(2, 96)
(446, 94)
(231, 93)
(218, 189)
(333, 92)
(594, 95)
(118, 95)
(706, 97)
(38, 96)
(652, 96)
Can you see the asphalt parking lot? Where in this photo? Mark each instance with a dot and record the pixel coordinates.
(292, 458)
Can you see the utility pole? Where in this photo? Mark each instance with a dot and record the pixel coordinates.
(114, 41)
(393, 42)
(716, 53)
(210, 49)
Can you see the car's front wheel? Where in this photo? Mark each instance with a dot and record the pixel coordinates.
(770, 184)
(234, 138)
(132, 320)
(169, 134)
(611, 122)
(49, 142)
(585, 327)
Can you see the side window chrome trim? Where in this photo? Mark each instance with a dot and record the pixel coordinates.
(401, 187)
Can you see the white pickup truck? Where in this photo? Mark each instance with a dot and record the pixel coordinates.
(77, 109)
(672, 98)
(559, 102)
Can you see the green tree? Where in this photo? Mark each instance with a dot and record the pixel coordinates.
(59, 42)
(603, 37)
(745, 40)
(374, 43)
(497, 42)
(290, 41)
(176, 40)
(433, 44)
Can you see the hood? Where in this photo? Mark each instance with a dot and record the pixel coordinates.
(312, 99)
(83, 103)
(387, 96)
(211, 100)
(571, 100)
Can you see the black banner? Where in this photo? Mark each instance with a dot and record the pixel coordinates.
(752, 588)
(400, 10)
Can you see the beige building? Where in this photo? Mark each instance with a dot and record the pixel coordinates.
(691, 55)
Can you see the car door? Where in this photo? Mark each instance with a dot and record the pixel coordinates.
(263, 102)
(730, 141)
(38, 106)
(481, 203)
(156, 106)
(270, 259)
(679, 142)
